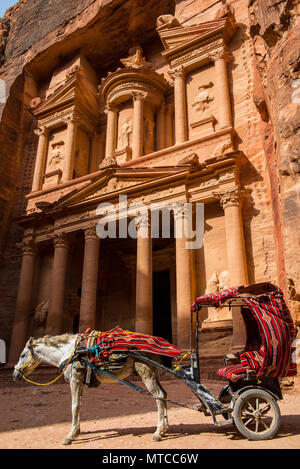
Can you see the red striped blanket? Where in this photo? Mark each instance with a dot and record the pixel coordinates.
(119, 340)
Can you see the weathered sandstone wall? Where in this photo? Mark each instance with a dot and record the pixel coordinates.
(275, 32)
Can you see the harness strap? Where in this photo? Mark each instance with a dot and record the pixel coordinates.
(62, 372)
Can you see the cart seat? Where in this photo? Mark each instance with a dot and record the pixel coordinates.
(232, 372)
(250, 360)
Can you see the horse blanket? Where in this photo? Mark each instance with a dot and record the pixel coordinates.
(103, 345)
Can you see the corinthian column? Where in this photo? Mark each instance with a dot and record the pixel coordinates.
(111, 132)
(42, 133)
(230, 201)
(184, 282)
(161, 128)
(237, 266)
(138, 124)
(24, 301)
(72, 123)
(220, 59)
(144, 301)
(89, 280)
(169, 125)
(180, 104)
(58, 285)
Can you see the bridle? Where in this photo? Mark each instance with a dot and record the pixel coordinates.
(32, 364)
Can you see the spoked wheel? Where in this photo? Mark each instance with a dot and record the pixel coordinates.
(256, 414)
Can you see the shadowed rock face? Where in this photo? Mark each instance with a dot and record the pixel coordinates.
(274, 27)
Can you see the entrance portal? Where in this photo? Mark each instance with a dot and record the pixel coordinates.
(162, 314)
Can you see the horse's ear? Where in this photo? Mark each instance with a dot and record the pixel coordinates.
(29, 342)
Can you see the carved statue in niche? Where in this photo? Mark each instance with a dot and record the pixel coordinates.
(135, 59)
(126, 134)
(216, 284)
(149, 130)
(204, 97)
(167, 21)
(222, 147)
(40, 314)
(56, 156)
(224, 10)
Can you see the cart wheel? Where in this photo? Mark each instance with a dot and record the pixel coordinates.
(256, 414)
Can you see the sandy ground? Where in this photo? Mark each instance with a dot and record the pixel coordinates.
(116, 417)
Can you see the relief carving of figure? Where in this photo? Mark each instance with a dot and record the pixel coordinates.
(57, 155)
(126, 133)
(167, 21)
(224, 10)
(149, 129)
(216, 284)
(222, 147)
(204, 97)
(40, 314)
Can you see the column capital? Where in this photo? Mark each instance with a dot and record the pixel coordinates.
(220, 54)
(139, 96)
(28, 247)
(91, 233)
(110, 107)
(41, 130)
(229, 198)
(142, 221)
(161, 107)
(178, 72)
(178, 210)
(71, 119)
(169, 108)
(61, 240)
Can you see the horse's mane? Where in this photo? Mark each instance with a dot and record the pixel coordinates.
(56, 340)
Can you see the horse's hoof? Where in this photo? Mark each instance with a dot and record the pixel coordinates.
(67, 441)
(156, 438)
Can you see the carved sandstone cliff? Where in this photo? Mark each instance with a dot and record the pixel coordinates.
(275, 32)
(35, 35)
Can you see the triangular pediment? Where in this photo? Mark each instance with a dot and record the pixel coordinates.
(110, 184)
(62, 97)
(182, 36)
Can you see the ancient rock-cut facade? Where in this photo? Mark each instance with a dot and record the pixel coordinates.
(156, 104)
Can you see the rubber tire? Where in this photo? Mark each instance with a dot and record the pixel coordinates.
(250, 394)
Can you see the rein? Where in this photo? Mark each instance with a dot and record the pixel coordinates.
(36, 364)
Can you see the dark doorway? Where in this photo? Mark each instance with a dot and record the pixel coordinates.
(162, 315)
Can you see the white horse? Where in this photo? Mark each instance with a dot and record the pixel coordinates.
(55, 350)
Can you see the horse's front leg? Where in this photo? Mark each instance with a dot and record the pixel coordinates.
(76, 385)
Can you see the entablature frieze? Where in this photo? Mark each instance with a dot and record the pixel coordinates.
(190, 183)
(78, 115)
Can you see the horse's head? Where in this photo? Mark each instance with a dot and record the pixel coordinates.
(27, 361)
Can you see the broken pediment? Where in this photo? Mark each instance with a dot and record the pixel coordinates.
(179, 38)
(73, 84)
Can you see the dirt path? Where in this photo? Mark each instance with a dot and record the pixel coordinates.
(115, 417)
